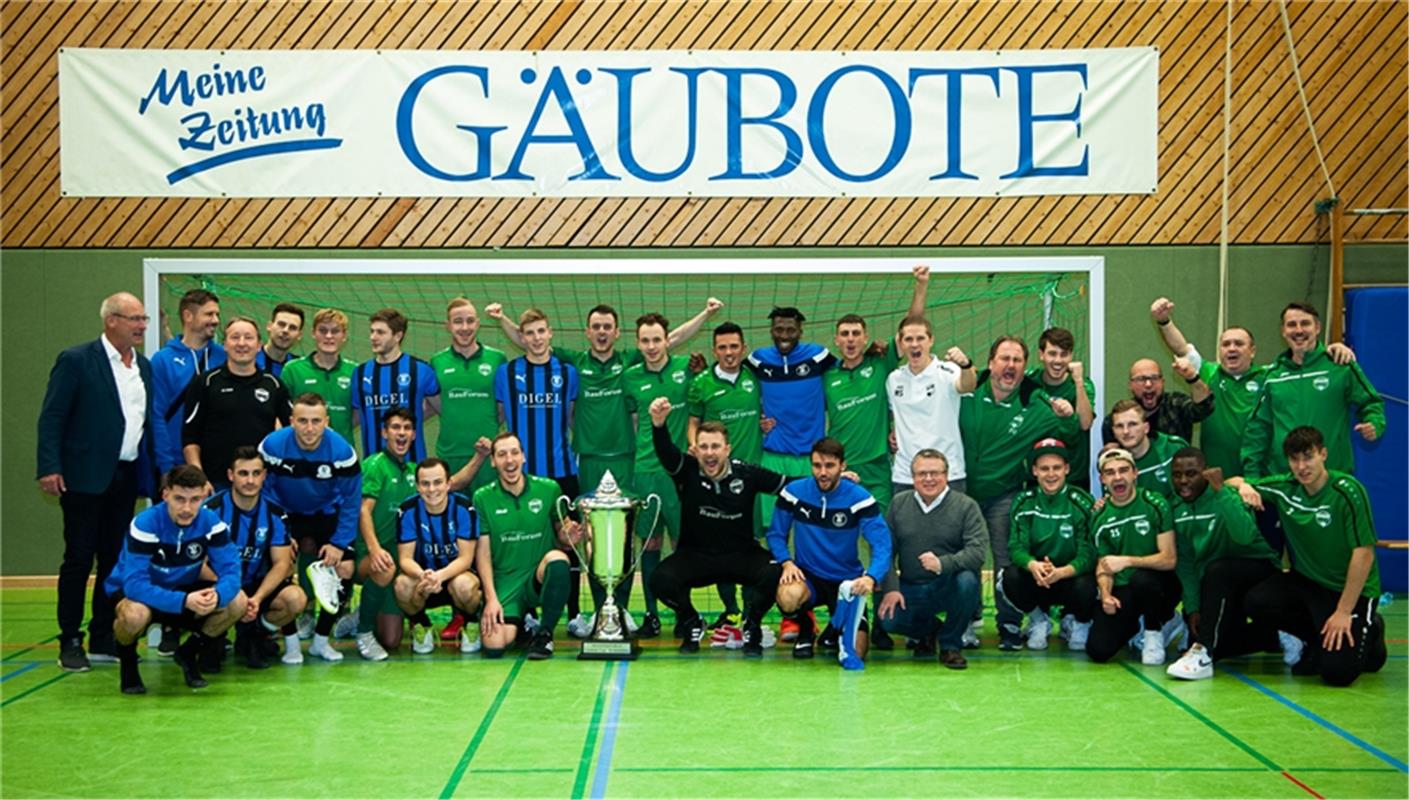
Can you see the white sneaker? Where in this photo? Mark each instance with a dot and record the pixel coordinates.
(580, 626)
(324, 649)
(1080, 632)
(1038, 630)
(1064, 628)
(154, 638)
(293, 650)
(469, 638)
(971, 635)
(326, 584)
(305, 626)
(1195, 665)
(346, 626)
(530, 624)
(422, 640)
(769, 638)
(1174, 630)
(1152, 652)
(1292, 648)
(369, 648)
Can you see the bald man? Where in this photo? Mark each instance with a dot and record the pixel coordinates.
(95, 455)
(1172, 413)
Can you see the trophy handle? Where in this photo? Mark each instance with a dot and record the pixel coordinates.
(643, 541)
(566, 508)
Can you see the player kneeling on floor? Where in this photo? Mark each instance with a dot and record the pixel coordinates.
(518, 558)
(435, 550)
(828, 515)
(266, 561)
(159, 578)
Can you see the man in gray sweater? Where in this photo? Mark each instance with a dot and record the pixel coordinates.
(939, 540)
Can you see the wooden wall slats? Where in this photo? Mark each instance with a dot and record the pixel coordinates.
(1352, 56)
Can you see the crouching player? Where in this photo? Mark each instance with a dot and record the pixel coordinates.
(828, 517)
(266, 559)
(158, 578)
(517, 557)
(434, 548)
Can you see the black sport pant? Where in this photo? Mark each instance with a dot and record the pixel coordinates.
(684, 570)
(1076, 595)
(95, 526)
(1151, 594)
(1223, 618)
(1292, 602)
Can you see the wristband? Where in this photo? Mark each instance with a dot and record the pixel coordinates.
(1193, 380)
(965, 366)
(1163, 323)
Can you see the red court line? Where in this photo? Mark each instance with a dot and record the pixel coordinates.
(1309, 790)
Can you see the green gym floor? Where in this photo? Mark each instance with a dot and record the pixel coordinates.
(1014, 724)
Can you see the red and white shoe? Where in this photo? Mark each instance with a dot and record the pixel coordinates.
(452, 631)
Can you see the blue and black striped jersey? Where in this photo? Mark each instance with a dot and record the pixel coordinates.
(253, 533)
(437, 536)
(378, 388)
(537, 401)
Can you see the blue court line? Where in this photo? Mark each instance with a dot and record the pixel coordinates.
(604, 756)
(22, 670)
(1323, 722)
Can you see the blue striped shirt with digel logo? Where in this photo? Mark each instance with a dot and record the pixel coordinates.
(537, 401)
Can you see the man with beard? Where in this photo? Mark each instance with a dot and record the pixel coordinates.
(1000, 421)
(1305, 387)
(285, 329)
(1221, 557)
(1173, 413)
(717, 530)
(175, 365)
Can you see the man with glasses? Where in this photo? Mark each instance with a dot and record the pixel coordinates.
(1172, 413)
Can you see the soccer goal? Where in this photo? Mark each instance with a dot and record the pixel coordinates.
(971, 301)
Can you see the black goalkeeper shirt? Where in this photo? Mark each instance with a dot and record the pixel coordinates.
(715, 516)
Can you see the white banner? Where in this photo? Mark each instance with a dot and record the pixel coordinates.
(325, 123)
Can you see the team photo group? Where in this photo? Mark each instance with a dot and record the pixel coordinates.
(866, 487)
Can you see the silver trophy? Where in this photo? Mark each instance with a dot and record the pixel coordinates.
(605, 517)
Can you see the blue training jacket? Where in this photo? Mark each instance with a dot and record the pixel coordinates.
(793, 395)
(324, 480)
(827, 528)
(159, 559)
(173, 367)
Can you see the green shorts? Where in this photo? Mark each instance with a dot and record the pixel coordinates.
(787, 466)
(590, 470)
(660, 484)
(875, 478)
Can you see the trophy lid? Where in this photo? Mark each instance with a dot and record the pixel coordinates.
(607, 495)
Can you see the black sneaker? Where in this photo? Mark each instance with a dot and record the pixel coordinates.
(541, 646)
(881, 640)
(267, 646)
(650, 627)
(1376, 654)
(1009, 641)
(211, 654)
(806, 636)
(170, 639)
(923, 648)
(1310, 663)
(131, 678)
(753, 641)
(691, 632)
(186, 656)
(102, 648)
(252, 651)
(71, 656)
(829, 638)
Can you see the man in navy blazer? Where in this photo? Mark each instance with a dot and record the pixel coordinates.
(95, 455)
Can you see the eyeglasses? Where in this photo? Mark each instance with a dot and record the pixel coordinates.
(930, 473)
(1146, 378)
(134, 317)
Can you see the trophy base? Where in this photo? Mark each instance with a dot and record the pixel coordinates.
(609, 650)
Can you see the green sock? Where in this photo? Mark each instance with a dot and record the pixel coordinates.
(556, 578)
(650, 559)
(373, 596)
